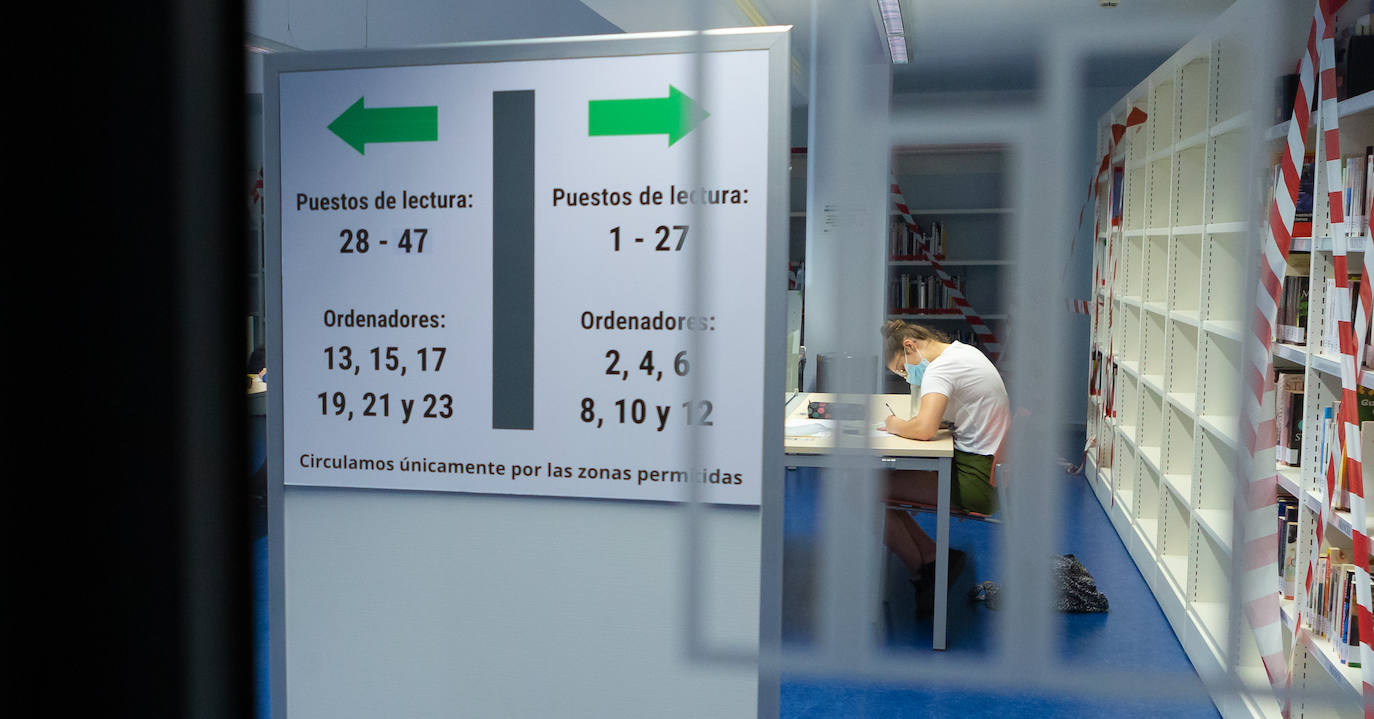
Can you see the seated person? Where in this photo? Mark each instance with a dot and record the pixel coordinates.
(958, 383)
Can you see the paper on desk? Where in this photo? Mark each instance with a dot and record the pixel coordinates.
(809, 428)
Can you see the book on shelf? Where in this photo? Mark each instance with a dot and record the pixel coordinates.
(1331, 337)
(1330, 611)
(1118, 195)
(1355, 171)
(1319, 600)
(1288, 564)
(1367, 450)
(1288, 418)
(923, 294)
(1322, 424)
(1288, 507)
(1354, 59)
(1340, 498)
(1302, 215)
(918, 243)
(1330, 452)
(1344, 615)
(1292, 315)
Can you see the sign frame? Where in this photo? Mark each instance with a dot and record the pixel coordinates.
(774, 40)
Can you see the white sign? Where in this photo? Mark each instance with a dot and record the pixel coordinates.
(487, 273)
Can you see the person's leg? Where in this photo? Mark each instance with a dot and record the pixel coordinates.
(899, 540)
(922, 488)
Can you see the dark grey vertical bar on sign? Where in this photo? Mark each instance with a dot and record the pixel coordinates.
(512, 264)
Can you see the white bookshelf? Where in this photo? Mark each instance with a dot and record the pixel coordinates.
(1164, 469)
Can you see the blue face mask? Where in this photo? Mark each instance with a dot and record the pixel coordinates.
(914, 372)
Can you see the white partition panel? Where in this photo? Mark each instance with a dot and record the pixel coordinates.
(425, 604)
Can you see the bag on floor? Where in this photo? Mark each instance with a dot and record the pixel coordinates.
(1074, 586)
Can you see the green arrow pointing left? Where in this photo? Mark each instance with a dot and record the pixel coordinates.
(360, 125)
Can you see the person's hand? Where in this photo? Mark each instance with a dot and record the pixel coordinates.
(890, 424)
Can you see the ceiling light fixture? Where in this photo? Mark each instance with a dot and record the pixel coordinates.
(259, 45)
(891, 13)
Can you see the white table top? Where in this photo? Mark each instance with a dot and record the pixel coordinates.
(888, 445)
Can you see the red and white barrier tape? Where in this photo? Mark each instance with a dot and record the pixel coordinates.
(1345, 458)
(1260, 597)
(1359, 537)
(1104, 384)
(980, 328)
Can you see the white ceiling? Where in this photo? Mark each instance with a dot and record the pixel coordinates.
(994, 43)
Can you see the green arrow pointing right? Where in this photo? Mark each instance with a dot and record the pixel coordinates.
(674, 115)
(360, 125)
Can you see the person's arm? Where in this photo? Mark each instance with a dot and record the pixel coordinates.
(926, 422)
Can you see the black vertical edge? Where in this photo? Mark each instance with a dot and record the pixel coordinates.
(512, 260)
(130, 575)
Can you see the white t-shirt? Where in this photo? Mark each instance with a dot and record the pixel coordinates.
(978, 403)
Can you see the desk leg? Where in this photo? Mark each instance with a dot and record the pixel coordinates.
(942, 554)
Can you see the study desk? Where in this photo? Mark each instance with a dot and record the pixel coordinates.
(891, 452)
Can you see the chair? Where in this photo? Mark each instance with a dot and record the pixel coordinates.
(999, 469)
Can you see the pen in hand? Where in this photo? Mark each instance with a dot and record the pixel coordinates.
(883, 427)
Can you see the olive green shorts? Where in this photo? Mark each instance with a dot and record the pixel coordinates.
(972, 488)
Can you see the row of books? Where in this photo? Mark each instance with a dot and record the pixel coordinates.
(1331, 610)
(1327, 441)
(1330, 340)
(925, 294)
(967, 337)
(1356, 173)
(1302, 214)
(1357, 177)
(1288, 545)
(1288, 418)
(906, 243)
(1289, 430)
(1103, 385)
(1291, 325)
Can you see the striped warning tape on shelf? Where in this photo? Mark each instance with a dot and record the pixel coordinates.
(1260, 596)
(980, 328)
(1259, 590)
(1135, 117)
(1102, 385)
(1340, 297)
(1358, 534)
(1359, 537)
(1078, 307)
(1345, 461)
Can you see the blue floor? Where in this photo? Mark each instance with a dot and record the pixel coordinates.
(1134, 634)
(261, 678)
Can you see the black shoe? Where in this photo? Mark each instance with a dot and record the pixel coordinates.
(925, 584)
(956, 561)
(925, 597)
